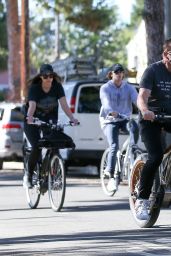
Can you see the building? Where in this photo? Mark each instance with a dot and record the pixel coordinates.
(137, 52)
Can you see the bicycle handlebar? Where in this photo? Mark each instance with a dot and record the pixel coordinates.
(119, 117)
(40, 123)
(162, 117)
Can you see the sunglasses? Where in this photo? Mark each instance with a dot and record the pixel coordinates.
(118, 72)
(47, 76)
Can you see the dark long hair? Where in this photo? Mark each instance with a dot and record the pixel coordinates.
(37, 80)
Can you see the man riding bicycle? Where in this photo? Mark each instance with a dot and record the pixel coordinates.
(154, 98)
(116, 97)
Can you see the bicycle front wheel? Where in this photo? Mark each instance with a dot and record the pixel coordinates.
(104, 178)
(33, 193)
(56, 183)
(155, 199)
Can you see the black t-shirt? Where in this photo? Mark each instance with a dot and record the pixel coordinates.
(158, 79)
(46, 103)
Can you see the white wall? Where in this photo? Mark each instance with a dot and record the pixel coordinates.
(137, 51)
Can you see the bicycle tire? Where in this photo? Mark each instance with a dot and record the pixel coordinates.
(157, 195)
(136, 153)
(56, 183)
(104, 178)
(33, 193)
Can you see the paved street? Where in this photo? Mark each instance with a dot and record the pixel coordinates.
(90, 223)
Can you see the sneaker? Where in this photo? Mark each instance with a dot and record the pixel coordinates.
(141, 209)
(27, 181)
(107, 172)
(112, 185)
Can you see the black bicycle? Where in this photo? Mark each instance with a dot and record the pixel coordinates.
(49, 174)
(161, 190)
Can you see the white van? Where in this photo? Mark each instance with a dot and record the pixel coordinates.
(83, 99)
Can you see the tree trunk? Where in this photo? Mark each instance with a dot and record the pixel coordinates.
(154, 23)
(13, 31)
(25, 50)
(57, 37)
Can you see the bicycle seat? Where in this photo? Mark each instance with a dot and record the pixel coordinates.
(60, 142)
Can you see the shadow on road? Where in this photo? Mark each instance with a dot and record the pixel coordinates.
(154, 241)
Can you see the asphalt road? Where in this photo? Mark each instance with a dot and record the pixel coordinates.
(90, 223)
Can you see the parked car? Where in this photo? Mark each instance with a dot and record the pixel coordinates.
(11, 130)
(83, 99)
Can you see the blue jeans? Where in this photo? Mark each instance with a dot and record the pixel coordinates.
(112, 133)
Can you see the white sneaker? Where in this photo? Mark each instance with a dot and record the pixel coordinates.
(141, 209)
(112, 185)
(107, 172)
(27, 181)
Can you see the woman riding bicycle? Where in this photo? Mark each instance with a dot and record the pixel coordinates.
(44, 93)
(116, 97)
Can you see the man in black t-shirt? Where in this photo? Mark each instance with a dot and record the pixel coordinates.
(154, 97)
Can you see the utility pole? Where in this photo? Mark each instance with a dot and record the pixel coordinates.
(167, 10)
(25, 67)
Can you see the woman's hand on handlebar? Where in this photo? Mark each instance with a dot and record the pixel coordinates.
(148, 115)
(74, 121)
(30, 119)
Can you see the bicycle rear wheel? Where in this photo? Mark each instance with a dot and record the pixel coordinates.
(104, 178)
(56, 183)
(155, 199)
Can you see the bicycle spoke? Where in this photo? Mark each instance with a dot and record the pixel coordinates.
(56, 183)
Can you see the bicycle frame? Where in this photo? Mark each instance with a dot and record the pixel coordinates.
(126, 152)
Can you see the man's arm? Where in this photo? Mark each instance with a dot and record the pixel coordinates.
(142, 101)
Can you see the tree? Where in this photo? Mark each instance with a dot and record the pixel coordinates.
(13, 32)
(154, 23)
(3, 33)
(42, 41)
(137, 14)
(25, 47)
(84, 14)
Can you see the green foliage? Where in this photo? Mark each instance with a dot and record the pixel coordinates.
(137, 13)
(85, 30)
(42, 38)
(2, 96)
(3, 33)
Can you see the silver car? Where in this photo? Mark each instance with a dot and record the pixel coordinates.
(11, 131)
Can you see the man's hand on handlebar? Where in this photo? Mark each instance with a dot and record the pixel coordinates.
(117, 116)
(114, 114)
(148, 115)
